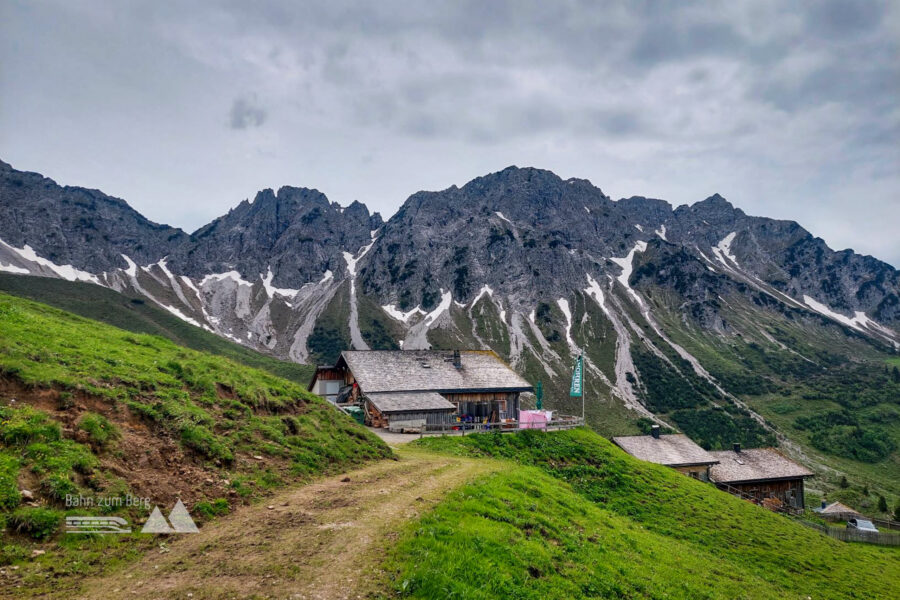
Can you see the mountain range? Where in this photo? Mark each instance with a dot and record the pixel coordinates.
(702, 318)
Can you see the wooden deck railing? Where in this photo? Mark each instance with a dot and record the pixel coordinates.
(502, 427)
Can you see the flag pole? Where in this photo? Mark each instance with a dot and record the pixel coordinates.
(582, 386)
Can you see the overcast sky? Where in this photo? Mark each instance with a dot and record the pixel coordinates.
(789, 110)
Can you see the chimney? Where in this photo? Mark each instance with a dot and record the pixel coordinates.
(457, 359)
(737, 448)
(654, 431)
(824, 504)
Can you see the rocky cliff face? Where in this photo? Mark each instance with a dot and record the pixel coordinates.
(537, 268)
(76, 226)
(297, 234)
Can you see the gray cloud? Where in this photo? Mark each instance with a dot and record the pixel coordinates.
(790, 109)
(245, 112)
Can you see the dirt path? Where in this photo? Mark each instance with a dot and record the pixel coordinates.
(321, 541)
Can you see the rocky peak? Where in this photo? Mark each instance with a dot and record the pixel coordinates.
(77, 226)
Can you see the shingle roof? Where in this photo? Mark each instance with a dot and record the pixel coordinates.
(409, 401)
(836, 508)
(670, 450)
(754, 464)
(431, 370)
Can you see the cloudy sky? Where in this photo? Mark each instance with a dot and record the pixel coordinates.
(788, 109)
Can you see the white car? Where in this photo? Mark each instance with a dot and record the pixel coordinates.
(862, 525)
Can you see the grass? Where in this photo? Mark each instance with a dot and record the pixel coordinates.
(574, 517)
(81, 384)
(139, 315)
(214, 405)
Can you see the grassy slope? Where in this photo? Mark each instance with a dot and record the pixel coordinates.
(230, 423)
(783, 386)
(579, 518)
(141, 316)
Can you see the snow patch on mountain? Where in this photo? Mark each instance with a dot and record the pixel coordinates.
(216, 277)
(181, 315)
(399, 315)
(567, 312)
(356, 338)
(500, 214)
(860, 321)
(722, 250)
(13, 269)
(596, 292)
(27, 254)
(486, 289)
(661, 232)
(626, 263)
(446, 299)
(271, 290)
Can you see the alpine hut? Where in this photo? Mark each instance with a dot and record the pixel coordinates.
(759, 474)
(677, 451)
(410, 387)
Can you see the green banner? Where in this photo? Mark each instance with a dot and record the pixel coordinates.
(539, 392)
(577, 378)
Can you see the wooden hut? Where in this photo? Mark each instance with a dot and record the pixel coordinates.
(676, 451)
(760, 474)
(432, 386)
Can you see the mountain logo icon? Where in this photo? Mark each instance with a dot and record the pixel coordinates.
(180, 521)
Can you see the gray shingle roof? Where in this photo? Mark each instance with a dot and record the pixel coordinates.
(836, 508)
(388, 402)
(670, 450)
(431, 370)
(754, 464)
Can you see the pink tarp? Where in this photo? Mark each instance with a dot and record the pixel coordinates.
(534, 419)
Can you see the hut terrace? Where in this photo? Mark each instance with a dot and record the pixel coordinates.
(430, 386)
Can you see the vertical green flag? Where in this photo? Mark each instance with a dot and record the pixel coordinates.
(577, 378)
(539, 392)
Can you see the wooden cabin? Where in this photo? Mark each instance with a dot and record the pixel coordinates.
(759, 474)
(676, 451)
(409, 386)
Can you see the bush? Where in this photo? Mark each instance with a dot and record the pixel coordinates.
(717, 429)
(205, 442)
(9, 487)
(39, 523)
(57, 486)
(11, 553)
(208, 510)
(101, 432)
(25, 425)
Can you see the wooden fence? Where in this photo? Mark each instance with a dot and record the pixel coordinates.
(502, 427)
(855, 535)
(846, 516)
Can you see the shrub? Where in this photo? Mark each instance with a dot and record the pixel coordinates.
(11, 553)
(25, 425)
(9, 487)
(39, 523)
(205, 442)
(208, 510)
(100, 431)
(57, 486)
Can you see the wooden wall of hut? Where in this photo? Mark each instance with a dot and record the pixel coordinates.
(491, 405)
(789, 491)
